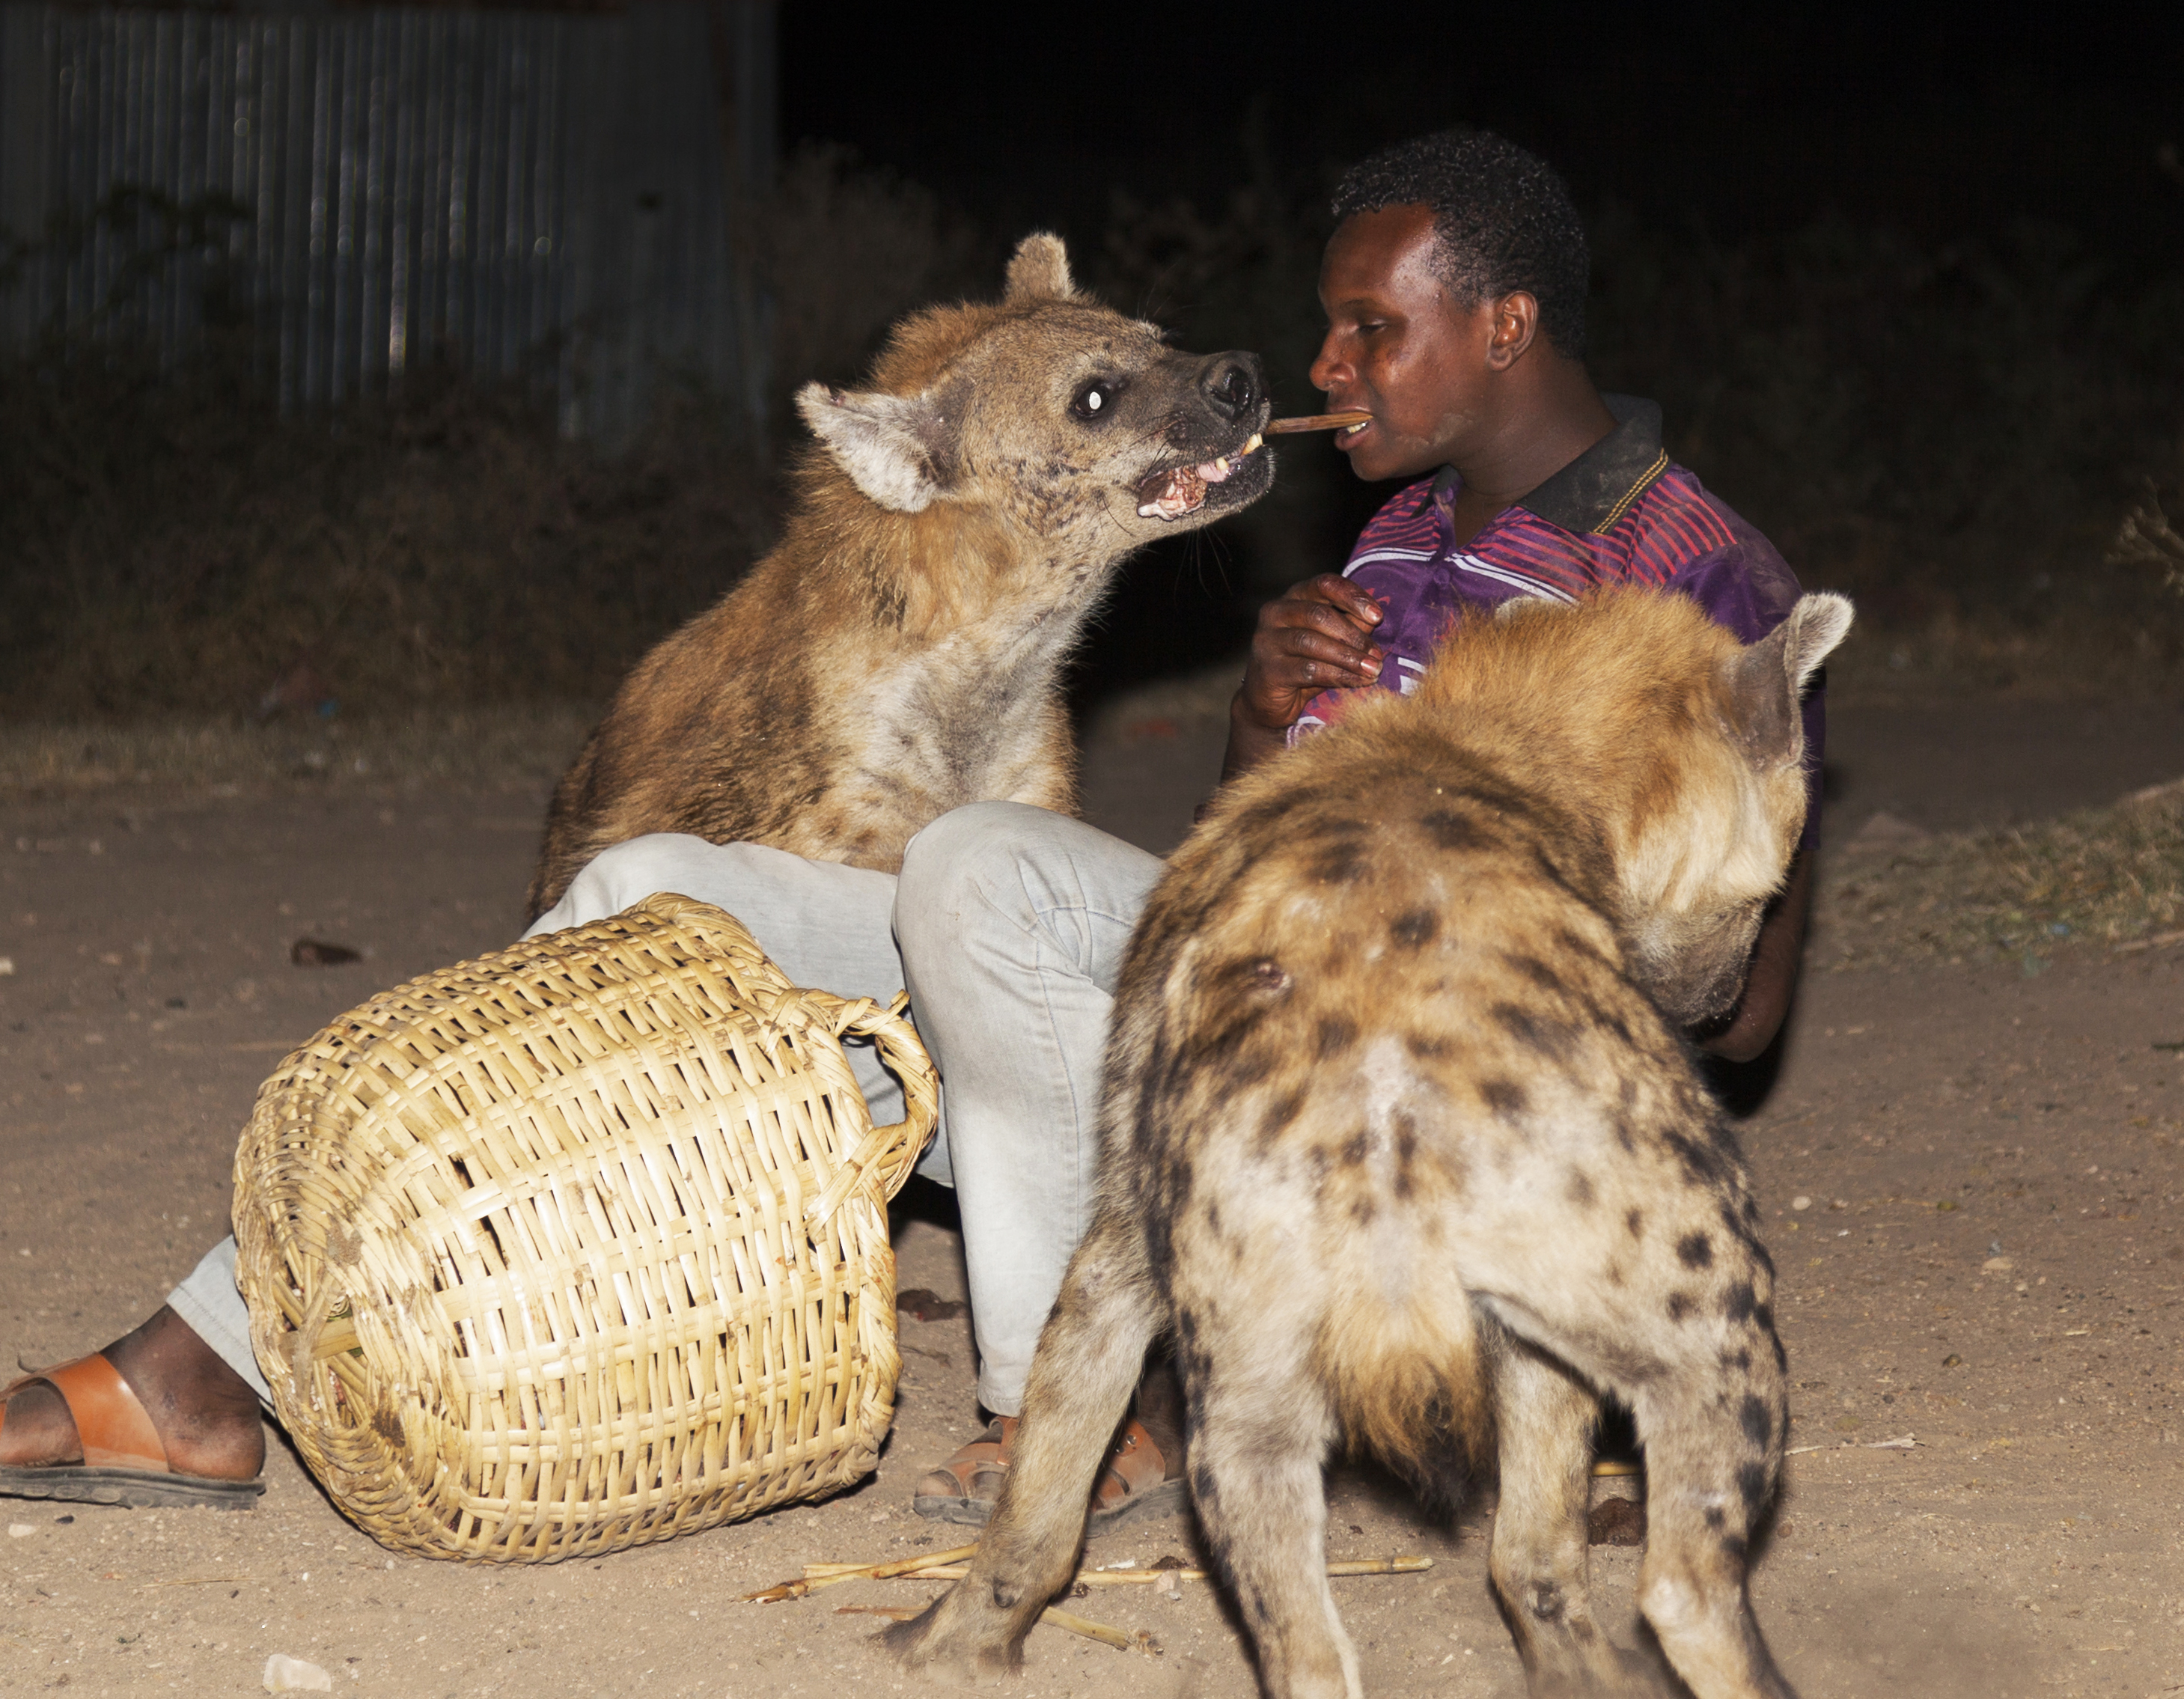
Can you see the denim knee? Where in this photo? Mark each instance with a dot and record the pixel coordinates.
(620, 876)
(970, 858)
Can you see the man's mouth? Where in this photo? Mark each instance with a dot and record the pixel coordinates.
(1180, 490)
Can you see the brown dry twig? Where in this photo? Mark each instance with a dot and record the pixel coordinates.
(876, 1572)
(948, 1566)
(2147, 539)
(1139, 1641)
(1116, 1578)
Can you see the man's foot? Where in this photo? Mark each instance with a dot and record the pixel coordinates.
(964, 1488)
(204, 1414)
(1143, 1476)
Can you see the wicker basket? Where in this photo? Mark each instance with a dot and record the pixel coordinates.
(581, 1244)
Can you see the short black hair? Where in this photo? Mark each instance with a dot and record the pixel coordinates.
(1502, 221)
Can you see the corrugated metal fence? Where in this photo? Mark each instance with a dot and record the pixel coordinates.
(562, 198)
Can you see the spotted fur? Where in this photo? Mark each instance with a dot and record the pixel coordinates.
(897, 655)
(1403, 1146)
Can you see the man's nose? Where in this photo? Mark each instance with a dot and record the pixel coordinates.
(1232, 383)
(1326, 366)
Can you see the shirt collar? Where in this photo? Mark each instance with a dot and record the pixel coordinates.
(1597, 489)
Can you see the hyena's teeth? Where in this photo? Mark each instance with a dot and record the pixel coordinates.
(1252, 447)
(1221, 465)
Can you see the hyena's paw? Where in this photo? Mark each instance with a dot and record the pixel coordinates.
(1640, 1674)
(957, 1638)
(1643, 1674)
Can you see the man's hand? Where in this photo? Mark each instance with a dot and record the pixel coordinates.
(1315, 638)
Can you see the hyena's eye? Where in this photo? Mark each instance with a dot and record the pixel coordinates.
(1096, 399)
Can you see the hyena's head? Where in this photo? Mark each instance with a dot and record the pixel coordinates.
(1075, 424)
(1714, 750)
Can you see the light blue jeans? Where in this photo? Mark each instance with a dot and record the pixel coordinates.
(1007, 924)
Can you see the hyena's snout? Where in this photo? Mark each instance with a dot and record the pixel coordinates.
(1232, 385)
(1696, 965)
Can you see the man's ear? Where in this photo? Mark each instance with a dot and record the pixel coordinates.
(1515, 327)
(1769, 677)
(1040, 271)
(899, 449)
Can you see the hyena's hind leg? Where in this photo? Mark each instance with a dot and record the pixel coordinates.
(1539, 1564)
(1714, 1454)
(1260, 1427)
(1090, 1355)
(1700, 1365)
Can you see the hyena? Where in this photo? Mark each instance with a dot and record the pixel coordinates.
(897, 655)
(1403, 1143)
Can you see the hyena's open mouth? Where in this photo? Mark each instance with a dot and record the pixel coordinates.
(1175, 491)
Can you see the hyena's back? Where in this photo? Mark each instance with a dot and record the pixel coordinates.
(1402, 1027)
(1399, 1132)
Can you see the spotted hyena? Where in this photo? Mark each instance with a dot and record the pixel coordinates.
(899, 653)
(1402, 1145)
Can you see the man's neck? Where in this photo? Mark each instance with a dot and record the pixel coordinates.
(1553, 415)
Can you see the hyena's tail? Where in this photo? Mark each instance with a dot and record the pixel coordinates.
(1409, 1385)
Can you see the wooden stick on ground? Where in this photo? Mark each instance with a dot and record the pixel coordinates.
(1127, 1577)
(877, 1572)
(1139, 1641)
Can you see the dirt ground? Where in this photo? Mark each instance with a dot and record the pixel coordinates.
(1971, 1177)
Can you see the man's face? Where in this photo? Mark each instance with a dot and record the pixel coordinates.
(1400, 347)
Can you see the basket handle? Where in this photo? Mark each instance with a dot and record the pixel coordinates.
(890, 1029)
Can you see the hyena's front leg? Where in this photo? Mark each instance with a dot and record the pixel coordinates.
(1090, 1355)
(1538, 1561)
(1259, 1429)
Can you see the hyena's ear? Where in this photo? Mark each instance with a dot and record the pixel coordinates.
(1770, 676)
(1040, 271)
(899, 449)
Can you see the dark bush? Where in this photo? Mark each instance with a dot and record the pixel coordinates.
(172, 543)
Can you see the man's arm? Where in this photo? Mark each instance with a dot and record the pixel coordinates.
(1311, 639)
(1773, 975)
(1314, 639)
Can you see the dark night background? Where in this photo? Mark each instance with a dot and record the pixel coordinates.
(1743, 119)
(1908, 285)
(1849, 247)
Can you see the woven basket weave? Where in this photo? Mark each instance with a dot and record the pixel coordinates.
(581, 1244)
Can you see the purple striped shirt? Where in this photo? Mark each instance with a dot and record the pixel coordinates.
(1621, 513)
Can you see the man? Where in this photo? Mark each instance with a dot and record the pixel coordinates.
(1454, 289)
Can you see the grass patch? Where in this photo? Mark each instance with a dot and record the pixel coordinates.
(2110, 876)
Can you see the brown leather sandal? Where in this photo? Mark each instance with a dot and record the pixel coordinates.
(1135, 1482)
(124, 1462)
(964, 1488)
